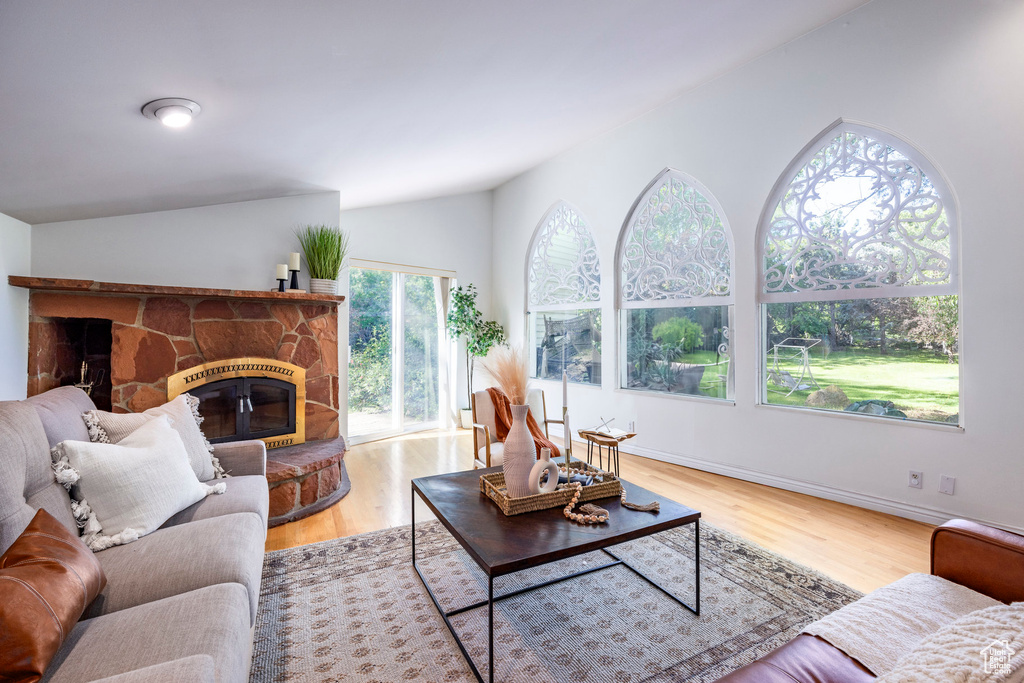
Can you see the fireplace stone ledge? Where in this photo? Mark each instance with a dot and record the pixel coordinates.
(306, 479)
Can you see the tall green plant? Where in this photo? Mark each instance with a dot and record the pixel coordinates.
(466, 320)
(326, 247)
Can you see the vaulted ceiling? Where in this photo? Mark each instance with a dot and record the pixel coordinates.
(383, 100)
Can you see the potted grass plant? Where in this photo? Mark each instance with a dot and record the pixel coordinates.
(326, 247)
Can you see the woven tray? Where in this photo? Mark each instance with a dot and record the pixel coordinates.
(493, 486)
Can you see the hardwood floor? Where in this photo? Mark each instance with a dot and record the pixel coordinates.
(861, 548)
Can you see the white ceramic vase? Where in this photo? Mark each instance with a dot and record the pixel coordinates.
(518, 455)
(542, 465)
(321, 286)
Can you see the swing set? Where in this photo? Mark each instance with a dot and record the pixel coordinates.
(793, 349)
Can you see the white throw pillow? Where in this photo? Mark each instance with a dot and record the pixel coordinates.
(985, 646)
(183, 411)
(124, 491)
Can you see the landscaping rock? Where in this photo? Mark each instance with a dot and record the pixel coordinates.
(829, 397)
(876, 407)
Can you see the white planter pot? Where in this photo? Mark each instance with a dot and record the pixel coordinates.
(319, 286)
(467, 418)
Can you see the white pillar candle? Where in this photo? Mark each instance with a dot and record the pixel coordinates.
(282, 271)
(293, 261)
(565, 389)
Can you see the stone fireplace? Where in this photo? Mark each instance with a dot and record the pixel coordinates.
(265, 362)
(159, 332)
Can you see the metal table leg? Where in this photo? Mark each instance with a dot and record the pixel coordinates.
(490, 628)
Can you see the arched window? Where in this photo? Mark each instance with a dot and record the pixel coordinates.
(859, 281)
(674, 291)
(563, 284)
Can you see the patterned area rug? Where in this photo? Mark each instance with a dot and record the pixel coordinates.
(353, 609)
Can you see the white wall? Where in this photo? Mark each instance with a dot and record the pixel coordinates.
(15, 259)
(941, 73)
(448, 233)
(230, 246)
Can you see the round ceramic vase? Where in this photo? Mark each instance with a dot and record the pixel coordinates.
(539, 467)
(519, 454)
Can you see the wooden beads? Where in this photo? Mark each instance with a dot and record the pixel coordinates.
(576, 517)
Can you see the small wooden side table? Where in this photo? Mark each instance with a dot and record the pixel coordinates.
(603, 441)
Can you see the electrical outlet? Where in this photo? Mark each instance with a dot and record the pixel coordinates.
(916, 479)
(947, 484)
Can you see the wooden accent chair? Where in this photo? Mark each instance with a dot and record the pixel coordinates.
(487, 449)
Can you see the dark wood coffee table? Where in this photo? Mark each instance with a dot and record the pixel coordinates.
(503, 545)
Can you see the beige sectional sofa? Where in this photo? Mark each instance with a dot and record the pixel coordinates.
(180, 603)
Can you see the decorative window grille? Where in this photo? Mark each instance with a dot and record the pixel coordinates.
(859, 282)
(563, 271)
(675, 249)
(674, 291)
(563, 281)
(859, 215)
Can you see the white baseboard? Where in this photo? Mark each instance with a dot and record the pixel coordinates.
(920, 513)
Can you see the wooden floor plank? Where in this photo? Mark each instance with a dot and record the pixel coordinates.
(862, 548)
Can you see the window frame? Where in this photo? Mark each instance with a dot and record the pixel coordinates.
(530, 309)
(951, 205)
(728, 300)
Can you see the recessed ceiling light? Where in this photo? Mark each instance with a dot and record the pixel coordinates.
(174, 112)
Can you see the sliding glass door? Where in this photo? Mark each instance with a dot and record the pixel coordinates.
(395, 344)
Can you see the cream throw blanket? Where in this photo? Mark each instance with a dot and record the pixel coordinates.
(888, 624)
(986, 646)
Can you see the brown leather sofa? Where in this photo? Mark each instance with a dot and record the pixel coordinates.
(979, 557)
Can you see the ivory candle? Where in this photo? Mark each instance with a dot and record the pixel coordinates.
(293, 261)
(565, 389)
(568, 438)
(282, 271)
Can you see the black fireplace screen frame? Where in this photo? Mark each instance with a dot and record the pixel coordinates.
(244, 388)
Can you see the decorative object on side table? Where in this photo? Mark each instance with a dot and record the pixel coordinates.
(326, 247)
(605, 436)
(508, 368)
(540, 467)
(282, 275)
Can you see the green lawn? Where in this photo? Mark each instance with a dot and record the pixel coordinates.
(919, 383)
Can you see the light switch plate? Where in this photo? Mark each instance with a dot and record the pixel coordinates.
(947, 484)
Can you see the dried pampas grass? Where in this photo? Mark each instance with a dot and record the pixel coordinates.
(507, 367)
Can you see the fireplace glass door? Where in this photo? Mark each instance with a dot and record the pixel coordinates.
(246, 408)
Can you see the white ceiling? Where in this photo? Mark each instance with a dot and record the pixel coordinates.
(383, 100)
